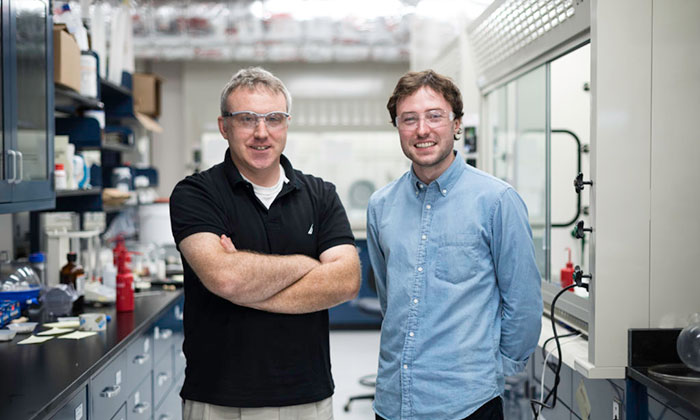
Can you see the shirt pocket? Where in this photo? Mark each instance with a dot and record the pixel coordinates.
(456, 261)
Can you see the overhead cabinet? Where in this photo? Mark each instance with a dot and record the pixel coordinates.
(27, 127)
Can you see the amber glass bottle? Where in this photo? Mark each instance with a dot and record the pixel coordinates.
(73, 274)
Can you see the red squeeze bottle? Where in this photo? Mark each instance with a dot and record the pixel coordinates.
(567, 273)
(125, 282)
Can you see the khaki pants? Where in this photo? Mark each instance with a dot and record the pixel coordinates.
(321, 410)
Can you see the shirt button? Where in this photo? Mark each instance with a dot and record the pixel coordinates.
(444, 191)
(428, 206)
(411, 334)
(420, 269)
(420, 186)
(405, 366)
(415, 300)
(424, 237)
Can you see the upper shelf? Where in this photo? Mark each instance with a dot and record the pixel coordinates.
(68, 101)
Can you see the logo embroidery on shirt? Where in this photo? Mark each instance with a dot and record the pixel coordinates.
(311, 230)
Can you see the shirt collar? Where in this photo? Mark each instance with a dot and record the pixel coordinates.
(235, 178)
(447, 180)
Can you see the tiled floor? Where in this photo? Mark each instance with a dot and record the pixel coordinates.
(353, 354)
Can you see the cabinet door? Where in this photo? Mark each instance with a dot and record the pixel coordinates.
(34, 115)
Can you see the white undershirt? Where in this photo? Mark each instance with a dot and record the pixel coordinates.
(267, 195)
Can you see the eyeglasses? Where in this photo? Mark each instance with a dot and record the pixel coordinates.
(249, 119)
(434, 118)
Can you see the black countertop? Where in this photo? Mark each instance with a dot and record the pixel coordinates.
(657, 346)
(686, 396)
(37, 378)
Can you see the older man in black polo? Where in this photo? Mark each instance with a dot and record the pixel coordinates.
(266, 250)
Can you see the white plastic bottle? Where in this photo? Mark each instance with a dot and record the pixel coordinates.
(59, 177)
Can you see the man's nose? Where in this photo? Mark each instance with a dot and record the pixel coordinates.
(260, 128)
(422, 128)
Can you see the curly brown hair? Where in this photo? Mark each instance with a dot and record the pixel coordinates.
(410, 82)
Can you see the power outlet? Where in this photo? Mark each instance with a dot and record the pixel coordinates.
(616, 410)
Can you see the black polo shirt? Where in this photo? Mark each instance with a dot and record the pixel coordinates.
(238, 356)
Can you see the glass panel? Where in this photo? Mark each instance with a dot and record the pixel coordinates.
(530, 154)
(502, 142)
(32, 139)
(570, 116)
(517, 119)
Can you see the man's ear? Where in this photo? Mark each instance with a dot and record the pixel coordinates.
(222, 127)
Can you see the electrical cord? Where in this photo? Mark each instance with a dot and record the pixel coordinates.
(560, 337)
(536, 405)
(545, 365)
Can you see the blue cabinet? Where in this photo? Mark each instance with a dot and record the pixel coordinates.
(27, 127)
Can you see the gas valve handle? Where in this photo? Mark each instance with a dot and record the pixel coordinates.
(579, 230)
(579, 183)
(579, 276)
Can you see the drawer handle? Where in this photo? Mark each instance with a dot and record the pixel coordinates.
(141, 408)
(164, 417)
(164, 334)
(140, 359)
(163, 378)
(111, 391)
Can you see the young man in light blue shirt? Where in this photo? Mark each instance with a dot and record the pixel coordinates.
(452, 252)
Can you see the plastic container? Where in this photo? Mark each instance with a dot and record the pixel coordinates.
(22, 327)
(18, 282)
(7, 335)
(567, 273)
(59, 177)
(58, 301)
(125, 279)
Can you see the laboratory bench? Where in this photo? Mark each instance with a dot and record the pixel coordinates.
(674, 394)
(136, 365)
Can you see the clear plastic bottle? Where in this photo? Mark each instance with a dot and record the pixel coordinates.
(38, 261)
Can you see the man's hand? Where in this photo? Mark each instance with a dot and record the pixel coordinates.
(226, 243)
(335, 281)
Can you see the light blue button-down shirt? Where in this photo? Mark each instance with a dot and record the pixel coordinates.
(459, 290)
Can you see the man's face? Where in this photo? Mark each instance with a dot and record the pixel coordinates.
(255, 151)
(428, 146)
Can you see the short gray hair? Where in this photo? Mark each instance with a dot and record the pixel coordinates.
(252, 78)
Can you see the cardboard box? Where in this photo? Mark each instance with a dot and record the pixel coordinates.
(66, 59)
(147, 94)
